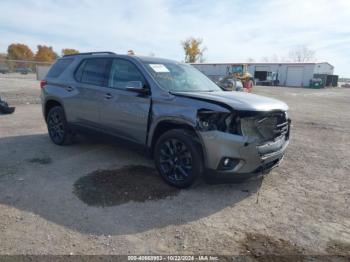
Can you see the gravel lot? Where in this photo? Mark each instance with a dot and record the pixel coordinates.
(100, 197)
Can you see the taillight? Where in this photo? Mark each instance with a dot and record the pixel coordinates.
(43, 83)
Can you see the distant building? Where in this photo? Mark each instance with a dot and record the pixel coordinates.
(288, 74)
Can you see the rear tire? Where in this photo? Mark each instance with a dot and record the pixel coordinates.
(178, 158)
(58, 128)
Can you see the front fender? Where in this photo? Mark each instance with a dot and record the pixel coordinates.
(168, 119)
(177, 110)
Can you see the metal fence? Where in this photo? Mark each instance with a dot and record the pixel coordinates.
(24, 67)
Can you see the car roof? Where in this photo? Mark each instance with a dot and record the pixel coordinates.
(147, 59)
(156, 60)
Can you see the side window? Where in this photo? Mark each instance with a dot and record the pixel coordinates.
(93, 71)
(79, 72)
(58, 68)
(122, 72)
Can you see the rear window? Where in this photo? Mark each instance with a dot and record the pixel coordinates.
(58, 68)
(93, 71)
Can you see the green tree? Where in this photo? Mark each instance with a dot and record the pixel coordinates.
(45, 54)
(193, 50)
(69, 51)
(19, 52)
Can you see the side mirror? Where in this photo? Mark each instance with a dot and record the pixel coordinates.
(136, 86)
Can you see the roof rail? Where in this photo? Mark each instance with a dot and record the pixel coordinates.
(92, 53)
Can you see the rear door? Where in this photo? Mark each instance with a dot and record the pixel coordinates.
(58, 86)
(294, 76)
(91, 79)
(125, 112)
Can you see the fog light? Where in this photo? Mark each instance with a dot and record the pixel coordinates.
(228, 163)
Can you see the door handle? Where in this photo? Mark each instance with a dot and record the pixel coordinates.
(69, 88)
(108, 96)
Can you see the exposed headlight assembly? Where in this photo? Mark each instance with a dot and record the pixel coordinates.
(225, 122)
(257, 127)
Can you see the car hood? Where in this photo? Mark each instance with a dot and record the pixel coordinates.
(239, 100)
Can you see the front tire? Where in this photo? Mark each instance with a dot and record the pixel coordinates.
(178, 157)
(57, 126)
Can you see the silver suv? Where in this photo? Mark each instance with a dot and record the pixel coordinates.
(188, 124)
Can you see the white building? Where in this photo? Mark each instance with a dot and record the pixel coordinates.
(289, 74)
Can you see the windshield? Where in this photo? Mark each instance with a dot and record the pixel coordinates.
(179, 77)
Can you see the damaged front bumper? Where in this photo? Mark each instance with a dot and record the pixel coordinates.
(243, 157)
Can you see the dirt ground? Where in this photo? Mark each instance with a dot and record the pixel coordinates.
(100, 197)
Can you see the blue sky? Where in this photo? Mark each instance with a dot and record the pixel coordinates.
(232, 30)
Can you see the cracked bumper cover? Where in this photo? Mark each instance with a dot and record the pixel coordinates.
(254, 159)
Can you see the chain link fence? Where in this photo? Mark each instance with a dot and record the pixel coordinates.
(20, 68)
(19, 81)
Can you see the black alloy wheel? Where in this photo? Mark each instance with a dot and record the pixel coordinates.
(175, 160)
(57, 126)
(178, 158)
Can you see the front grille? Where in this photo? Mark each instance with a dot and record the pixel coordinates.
(282, 125)
(279, 136)
(265, 127)
(265, 150)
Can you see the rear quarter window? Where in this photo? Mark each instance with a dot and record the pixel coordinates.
(58, 68)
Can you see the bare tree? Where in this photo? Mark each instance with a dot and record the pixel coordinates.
(275, 58)
(302, 54)
(272, 59)
(284, 59)
(250, 60)
(201, 55)
(265, 59)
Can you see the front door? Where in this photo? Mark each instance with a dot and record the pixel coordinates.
(125, 112)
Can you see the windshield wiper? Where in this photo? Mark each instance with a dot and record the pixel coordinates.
(189, 91)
